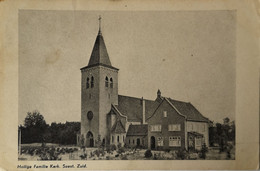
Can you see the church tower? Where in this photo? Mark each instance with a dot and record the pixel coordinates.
(99, 90)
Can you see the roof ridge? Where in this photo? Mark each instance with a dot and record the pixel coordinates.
(136, 98)
(179, 100)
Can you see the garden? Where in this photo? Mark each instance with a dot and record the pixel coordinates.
(37, 151)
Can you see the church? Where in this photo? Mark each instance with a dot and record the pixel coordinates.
(110, 118)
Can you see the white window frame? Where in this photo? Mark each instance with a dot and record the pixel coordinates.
(165, 114)
(156, 128)
(175, 141)
(174, 127)
(160, 141)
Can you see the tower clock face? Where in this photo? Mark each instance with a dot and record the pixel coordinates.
(90, 115)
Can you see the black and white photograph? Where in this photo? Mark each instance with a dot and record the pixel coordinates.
(139, 85)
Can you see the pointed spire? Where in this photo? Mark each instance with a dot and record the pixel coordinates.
(99, 53)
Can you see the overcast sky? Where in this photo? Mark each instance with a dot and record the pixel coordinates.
(189, 56)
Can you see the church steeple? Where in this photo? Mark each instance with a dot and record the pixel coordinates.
(99, 53)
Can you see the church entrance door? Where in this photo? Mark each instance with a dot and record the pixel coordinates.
(152, 143)
(90, 139)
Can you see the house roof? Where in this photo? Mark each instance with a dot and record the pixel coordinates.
(188, 110)
(118, 127)
(133, 109)
(137, 130)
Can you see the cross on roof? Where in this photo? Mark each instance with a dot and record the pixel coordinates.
(99, 18)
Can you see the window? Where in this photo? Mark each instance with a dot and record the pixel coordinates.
(174, 127)
(175, 141)
(123, 138)
(106, 82)
(111, 82)
(160, 141)
(112, 139)
(156, 128)
(133, 141)
(129, 141)
(165, 114)
(87, 84)
(92, 82)
(198, 142)
(90, 115)
(118, 138)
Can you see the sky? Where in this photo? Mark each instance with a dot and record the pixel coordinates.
(188, 55)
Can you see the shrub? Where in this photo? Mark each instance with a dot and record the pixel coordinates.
(83, 157)
(167, 150)
(119, 145)
(121, 150)
(112, 147)
(124, 157)
(203, 151)
(182, 154)
(148, 154)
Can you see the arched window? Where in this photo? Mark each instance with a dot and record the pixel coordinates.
(106, 82)
(112, 139)
(92, 82)
(111, 82)
(118, 138)
(87, 84)
(129, 141)
(123, 138)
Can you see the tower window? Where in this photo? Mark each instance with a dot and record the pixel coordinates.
(112, 139)
(106, 82)
(92, 82)
(87, 84)
(118, 138)
(111, 82)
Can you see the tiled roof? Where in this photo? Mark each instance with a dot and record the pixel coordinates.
(137, 130)
(118, 127)
(132, 108)
(188, 110)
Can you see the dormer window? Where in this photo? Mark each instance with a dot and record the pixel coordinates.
(106, 82)
(92, 82)
(87, 83)
(111, 82)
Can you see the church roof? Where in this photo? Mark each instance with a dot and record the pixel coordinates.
(118, 127)
(137, 130)
(188, 110)
(133, 109)
(99, 53)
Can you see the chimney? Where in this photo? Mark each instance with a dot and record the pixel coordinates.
(158, 93)
(143, 105)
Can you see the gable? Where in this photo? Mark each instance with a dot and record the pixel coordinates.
(172, 113)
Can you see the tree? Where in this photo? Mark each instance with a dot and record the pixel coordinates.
(35, 127)
(34, 119)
